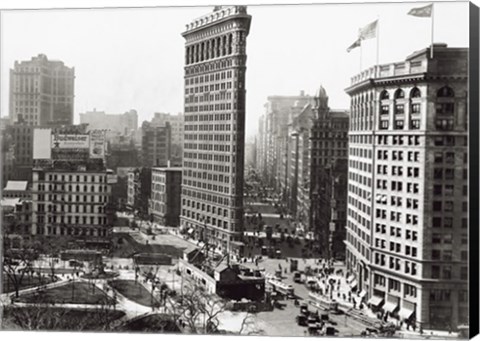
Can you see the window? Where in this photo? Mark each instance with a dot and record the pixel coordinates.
(415, 124)
(445, 92)
(437, 205)
(435, 271)
(384, 124)
(384, 95)
(399, 124)
(415, 93)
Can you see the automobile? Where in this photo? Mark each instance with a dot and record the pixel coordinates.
(304, 309)
(313, 319)
(301, 320)
(330, 331)
(297, 277)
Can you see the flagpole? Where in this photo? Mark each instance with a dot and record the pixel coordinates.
(378, 42)
(361, 56)
(431, 31)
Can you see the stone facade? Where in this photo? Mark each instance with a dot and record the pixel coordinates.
(165, 201)
(407, 204)
(42, 92)
(214, 130)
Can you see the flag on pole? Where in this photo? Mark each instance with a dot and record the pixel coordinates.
(354, 45)
(367, 32)
(423, 12)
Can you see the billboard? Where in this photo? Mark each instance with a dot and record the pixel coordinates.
(70, 141)
(97, 144)
(41, 144)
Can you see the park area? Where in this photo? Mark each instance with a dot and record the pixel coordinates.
(26, 282)
(71, 293)
(52, 318)
(134, 291)
(125, 246)
(158, 323)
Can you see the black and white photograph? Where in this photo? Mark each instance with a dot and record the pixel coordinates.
(301, 170)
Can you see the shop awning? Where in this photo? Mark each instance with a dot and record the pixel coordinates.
(190, 231)
(353, 284)
(405, 313)
(362, 294)
(350, 278)
(390, 306)
(375, 300)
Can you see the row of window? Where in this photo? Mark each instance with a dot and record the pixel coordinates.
(396, 155)
(207, 208)
(92, 220)
(447, 222)
(210, 49)
(207, 176)
(395, 264)
(72, 231)
(445, 272)
(216, 76)
(206, 157)
(209, 117)
(207, 67)
(207, 167)
(74, 178)
(73, 198)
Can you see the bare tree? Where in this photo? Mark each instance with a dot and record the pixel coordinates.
(17, 262)
(196, 311)
(42, 315)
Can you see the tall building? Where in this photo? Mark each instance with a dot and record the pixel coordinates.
(121, 123)
(42, 92)
(408, 184)
(139, 190)
(279, 112)
(19, 136)
(156, 145)
(328, 177)
(176, 134)
(316, 183)
(70, 192)
(213, 155)
(165, 201)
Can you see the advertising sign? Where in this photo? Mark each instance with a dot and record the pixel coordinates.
(97, 144)
(70, 141)
(41, 144)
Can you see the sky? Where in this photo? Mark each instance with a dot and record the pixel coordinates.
(133, 58)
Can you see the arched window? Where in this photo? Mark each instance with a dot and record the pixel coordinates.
(230, 43)
(445, 109)
(415, 93)
(399, 94)
(224, 47)
(446, 91)
(415, 108)
(384, 95)
(384, 110)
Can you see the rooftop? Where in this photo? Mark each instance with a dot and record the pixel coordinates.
(167, 169)
(16, 186)
(220, 13)
(10, 202)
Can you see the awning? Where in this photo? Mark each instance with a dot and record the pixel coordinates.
(405, 313)
(390, 306)
(362, 294)
(190, 231)
(350, 278)
(353, 284)
(375, 301)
